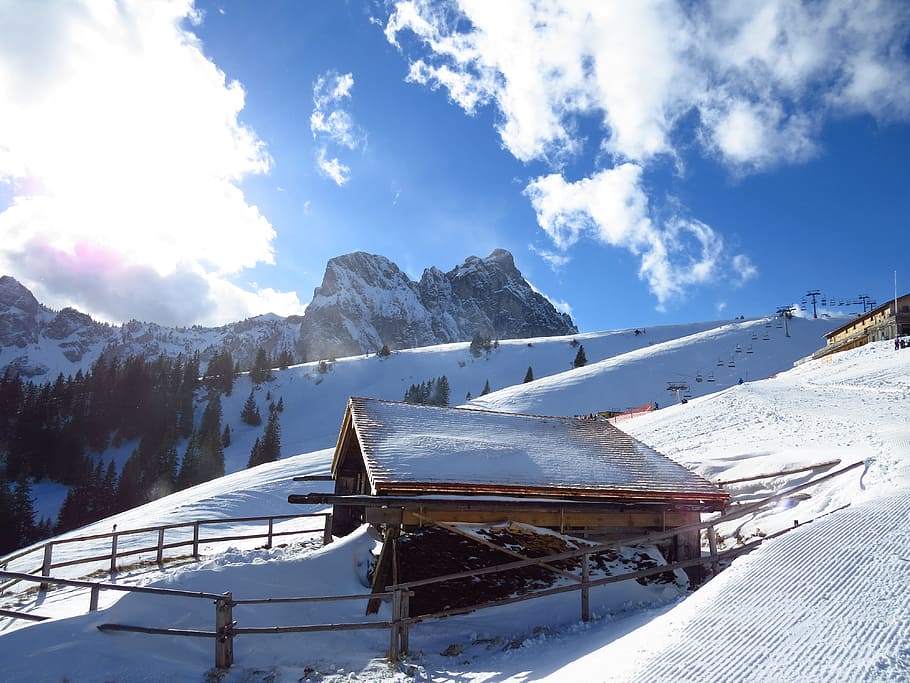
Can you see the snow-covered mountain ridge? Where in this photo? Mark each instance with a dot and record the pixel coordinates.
(39, 343)
(365, 301)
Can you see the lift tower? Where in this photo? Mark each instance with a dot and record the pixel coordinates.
(814, 293)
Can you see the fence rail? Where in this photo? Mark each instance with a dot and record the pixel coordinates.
(400, 622)
(117, 551)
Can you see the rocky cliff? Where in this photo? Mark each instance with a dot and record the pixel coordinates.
(365, 302)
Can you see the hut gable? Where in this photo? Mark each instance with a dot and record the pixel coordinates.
(410, 449)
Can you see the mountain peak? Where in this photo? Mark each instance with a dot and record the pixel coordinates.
(365, 301)
(13, 294)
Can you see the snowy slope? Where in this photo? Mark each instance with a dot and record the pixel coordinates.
(624, 370)
(826, 601)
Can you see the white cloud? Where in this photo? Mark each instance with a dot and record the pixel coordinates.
(124, 147)
(743, 269)
(555, 260)
(756, 80)
(332, 168)
(612, 208)
(332, 125)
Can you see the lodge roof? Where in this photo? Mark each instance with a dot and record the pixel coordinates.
(411, 449)
(902, 300)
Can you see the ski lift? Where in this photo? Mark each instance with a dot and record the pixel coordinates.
(732, 363)
(768, 324)
(739, 348)
(720, 362)
(780, 325)
(766, 337)
(754, 335)
(711, 377)
(824, 302)
(803, 302)
(749, 349)
(698, 376)
(687, 396)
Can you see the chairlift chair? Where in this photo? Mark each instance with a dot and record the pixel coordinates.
(698, 376)
(732, 363)
(739, 349)
(755, 335)
(766, 337)
(711, 377)
(720, 362)
(749, 349)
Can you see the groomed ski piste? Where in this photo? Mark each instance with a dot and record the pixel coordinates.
(827, 600)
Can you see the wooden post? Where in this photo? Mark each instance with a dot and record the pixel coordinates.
(93, 600)
(114, 550)
(196, 540)
(268, 543)
(46, 565)
(394, 651)
(327, 532)
(160, 557)
(585, 591)
(224, 629)
(405, 613)
(712, 545)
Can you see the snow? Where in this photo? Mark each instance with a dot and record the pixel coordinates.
(825, 601)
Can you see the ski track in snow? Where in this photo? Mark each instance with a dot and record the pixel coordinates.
(794, 600)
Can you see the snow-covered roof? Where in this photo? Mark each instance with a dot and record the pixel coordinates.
(413, 449)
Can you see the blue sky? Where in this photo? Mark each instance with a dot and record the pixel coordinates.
(645, 163)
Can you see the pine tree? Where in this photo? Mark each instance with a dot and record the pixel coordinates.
(23, 513)
(255, 455)
(226, 436)
(486, 389)
(442, 392)
(261, 370)
(529, 375)
(250, 413)
(384, 352)
(8, 531)
(580, 358)
(285, 358)
(271, 440)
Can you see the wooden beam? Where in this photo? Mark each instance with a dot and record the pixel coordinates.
(483, 541)
(493, 503)
(769, 475)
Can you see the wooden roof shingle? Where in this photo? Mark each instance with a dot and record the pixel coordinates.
(411, 449)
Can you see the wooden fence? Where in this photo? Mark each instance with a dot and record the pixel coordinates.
(401, 621)
(46, 551)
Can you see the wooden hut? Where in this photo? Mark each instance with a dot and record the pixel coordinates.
(400, 465)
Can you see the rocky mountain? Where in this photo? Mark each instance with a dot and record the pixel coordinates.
(365, 301)
(39, 343)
